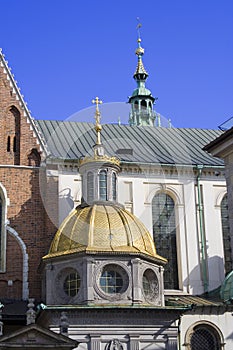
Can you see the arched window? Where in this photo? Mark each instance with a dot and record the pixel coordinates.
(226, 235)
(204, 337)
(103, 185)
(164, 232)
(143, 104)
(90, 187)
(114, 186)
(12, 131)
(8, 147)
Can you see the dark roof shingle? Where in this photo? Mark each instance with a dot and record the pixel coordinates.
(157, 145)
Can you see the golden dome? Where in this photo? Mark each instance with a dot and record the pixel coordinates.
(102, 228)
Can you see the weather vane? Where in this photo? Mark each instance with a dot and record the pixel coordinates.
(138, 27)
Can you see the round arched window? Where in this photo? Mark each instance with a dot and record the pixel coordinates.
(204, 337)
(72, 284)
(113, 279)
(150, 284)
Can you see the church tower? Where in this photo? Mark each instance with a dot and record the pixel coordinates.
(142, 113)
(102, 254)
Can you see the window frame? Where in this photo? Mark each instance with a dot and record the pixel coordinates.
(226, 235)
(176, 275)
(210, 327)
(103, 196)
(90, 190)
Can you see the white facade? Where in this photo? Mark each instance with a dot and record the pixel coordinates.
(136, 191)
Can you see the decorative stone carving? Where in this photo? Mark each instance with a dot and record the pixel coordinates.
(31, 314)
(114, 344)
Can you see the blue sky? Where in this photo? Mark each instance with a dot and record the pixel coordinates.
(63, 53)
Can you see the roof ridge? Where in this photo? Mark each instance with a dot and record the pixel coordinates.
(22, 103)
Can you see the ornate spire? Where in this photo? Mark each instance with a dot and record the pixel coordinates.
(98, 126)
(99, 151)
(140, 73)
(141, 101)
(99, 171)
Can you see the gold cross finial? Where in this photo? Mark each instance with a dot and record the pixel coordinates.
(97, 101)
(98, 126)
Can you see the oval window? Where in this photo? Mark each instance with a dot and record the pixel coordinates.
(72, 284)
(113, 279)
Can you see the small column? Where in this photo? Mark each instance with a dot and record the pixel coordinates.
(89, 290)
(64, 324)
(137, 293)
(95, 342)
(134, 342)
(172, 343)
(31, 314)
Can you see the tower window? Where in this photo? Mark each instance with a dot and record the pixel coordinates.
(90, 187)
(226, 235)
(114, 186)
(143, 104)
(103, 185)
(164, 232)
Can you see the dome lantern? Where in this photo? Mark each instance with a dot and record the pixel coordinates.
(141, 101)
(99, 171)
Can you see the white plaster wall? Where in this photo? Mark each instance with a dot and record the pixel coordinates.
(223, 321)
(213, 232)
(69, 193)
(136, 191)
(183, 191)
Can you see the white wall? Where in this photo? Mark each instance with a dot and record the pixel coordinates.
(136, 191)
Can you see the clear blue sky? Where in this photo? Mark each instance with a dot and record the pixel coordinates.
(63, 53)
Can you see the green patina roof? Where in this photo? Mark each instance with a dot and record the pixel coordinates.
(141, 91)
(226, 292)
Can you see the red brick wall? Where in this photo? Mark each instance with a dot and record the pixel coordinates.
(14, 267)
(29, 219)
(13, 123)
(26, 211)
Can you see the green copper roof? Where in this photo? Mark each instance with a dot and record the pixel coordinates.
(133, 144)
(226, 292)
(141, 91)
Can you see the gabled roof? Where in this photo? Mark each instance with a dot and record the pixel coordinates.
(151, 145)
(34, 336)
(20, 98)
(222, 145)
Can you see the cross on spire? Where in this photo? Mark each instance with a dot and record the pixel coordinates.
(98, 126)
(98, 102)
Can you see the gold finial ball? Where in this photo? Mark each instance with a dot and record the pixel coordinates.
(139, 51)
(98, 128)
(139, 40)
